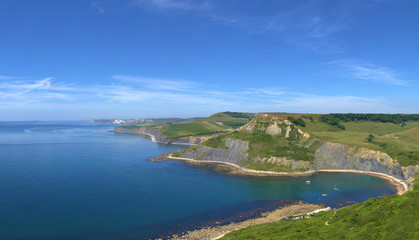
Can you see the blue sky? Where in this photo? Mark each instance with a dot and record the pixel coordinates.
(81, 59)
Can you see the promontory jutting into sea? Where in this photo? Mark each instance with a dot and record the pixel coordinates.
(198, 178)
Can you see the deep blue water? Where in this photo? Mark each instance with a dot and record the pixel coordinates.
(77, 180)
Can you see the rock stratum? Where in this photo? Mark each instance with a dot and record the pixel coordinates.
(236, 152)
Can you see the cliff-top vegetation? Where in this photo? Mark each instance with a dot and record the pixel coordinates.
(398, 139)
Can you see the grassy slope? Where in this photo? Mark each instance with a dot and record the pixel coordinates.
(198, 128)
(399, 142)
(393, 217)
(217, 123)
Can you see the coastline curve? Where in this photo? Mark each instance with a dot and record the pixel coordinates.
(235, 169)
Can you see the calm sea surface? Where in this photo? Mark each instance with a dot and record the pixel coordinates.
(77, 180)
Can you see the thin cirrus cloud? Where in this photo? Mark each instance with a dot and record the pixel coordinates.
(97, 7)
(31, 90)
(49, 93)
(308, 20)
(187, 5)
(308, 25)
(366, 71)
(156, 83)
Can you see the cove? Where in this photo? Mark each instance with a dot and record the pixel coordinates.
(76, 180)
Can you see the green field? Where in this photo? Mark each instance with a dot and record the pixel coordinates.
(199, 128)
(215, 124)
(392, 217)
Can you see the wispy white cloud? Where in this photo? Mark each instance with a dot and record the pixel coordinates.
(366, 71)
(306, 20)
(18, 88)
(186, 5)
(97, 7)
(155, 83)
(131, 95)
(226, 21)
(145, 92)
(309, 25)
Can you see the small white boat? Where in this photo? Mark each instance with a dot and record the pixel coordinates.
(335, 188)
(308, 182)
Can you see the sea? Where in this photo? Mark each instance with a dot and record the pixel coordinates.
(80, 180)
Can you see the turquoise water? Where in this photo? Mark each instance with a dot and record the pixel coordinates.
(76, 180)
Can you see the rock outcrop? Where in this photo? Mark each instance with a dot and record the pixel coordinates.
(274, 127)
(155, 136)
(345, 157)
(235, 152)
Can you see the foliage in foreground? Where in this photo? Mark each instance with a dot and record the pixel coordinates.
(393, 217)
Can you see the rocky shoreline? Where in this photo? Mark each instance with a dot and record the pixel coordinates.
(236, 170)
(300, 208)
(233, 169)
(216, 232)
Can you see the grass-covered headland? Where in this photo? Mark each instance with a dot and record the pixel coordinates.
(395, 134)
(215, 124)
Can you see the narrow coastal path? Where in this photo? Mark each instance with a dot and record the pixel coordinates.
(327, 222)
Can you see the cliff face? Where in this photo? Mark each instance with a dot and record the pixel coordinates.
(327, 155)
(341, 156)
(155, 136)
(235, 153)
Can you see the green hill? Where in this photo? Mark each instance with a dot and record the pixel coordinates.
(392, 217)
(399, 140)
(223, 122)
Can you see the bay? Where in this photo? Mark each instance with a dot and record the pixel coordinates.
(78, 180)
